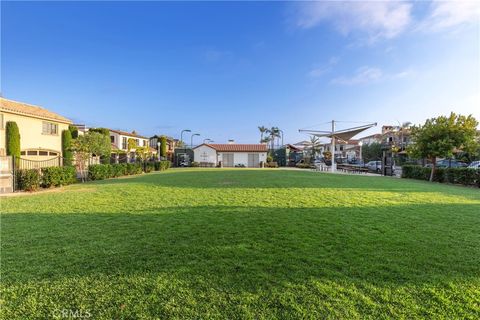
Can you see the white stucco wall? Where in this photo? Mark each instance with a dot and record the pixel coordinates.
(205, 154)
(242, 157)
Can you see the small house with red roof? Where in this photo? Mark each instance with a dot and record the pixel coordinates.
(231, 155)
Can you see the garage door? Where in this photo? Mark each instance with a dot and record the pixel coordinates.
(253, 160)
(228, 159)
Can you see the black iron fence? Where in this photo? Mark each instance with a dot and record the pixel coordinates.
(26, 164)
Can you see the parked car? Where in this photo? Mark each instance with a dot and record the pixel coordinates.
(184, 163)
(448, 163)
(474, 165)
(375, 166)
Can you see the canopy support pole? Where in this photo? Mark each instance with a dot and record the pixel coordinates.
(333, 146)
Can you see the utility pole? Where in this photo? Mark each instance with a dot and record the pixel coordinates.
(333, 146)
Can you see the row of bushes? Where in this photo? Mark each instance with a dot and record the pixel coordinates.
(33, 179)
(465, 176)
(106, 171)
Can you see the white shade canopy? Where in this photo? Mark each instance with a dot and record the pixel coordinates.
(345, 134)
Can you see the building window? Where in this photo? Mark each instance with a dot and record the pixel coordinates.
(49, 128)
(1, 121)
(43, 153)
(112, 139)
(32, 153)
(124, 143)
(53, 153)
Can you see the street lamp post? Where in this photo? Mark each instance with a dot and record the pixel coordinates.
(191, 139)
(181, 134)
(158, 150)
(360, 143)
(281, 131)
(207, 140)
(181, 139)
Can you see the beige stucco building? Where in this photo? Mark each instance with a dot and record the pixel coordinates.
(40, 129)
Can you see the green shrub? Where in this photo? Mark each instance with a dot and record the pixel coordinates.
(465, 176)
(66, 147)
(134, 168)
(304, 165)
(194, 164)
(12, 135)
(58, 176)
(99, 171)
(162, 165)
(28, 179)
(271, 164)
(148, 167)
(118, 170)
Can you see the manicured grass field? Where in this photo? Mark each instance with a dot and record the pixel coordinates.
(232, 244)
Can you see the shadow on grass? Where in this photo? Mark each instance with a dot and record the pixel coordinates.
(247, 249)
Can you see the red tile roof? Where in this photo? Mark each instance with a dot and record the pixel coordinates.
(234, 147)
(21, 108)
(129, 134)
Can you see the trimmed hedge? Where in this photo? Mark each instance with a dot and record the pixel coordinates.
(28, 179)
(106, 171)
(33, 179)
(465, 176)
(58, 176)
(162, 165)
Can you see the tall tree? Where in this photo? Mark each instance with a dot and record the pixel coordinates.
(67, 147)
(372, 151)
(73, 131)
(163, 146)
(274, 133)
(91, 143)
(106, 134)
(440, 137)
(315, 146)
(12, 135)
(262, 130)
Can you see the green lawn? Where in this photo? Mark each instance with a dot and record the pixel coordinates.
(231, 244)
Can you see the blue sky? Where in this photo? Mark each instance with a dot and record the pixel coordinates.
(223, 68)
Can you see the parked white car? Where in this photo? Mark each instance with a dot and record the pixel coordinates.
(474, 165)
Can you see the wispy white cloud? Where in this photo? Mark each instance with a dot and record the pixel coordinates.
(320, 70)
(448, 14)
(366, 74)
(384, 19)
(212, 55)
(363, 75)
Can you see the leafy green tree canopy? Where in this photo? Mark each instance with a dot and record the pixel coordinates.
(442, 136)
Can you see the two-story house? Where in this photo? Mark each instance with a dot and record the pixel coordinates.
(40, 129)
(119, 140)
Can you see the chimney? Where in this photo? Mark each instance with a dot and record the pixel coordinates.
(231, 141)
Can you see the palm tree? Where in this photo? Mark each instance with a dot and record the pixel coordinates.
(262, 130)
(315, 145)
(273, 133)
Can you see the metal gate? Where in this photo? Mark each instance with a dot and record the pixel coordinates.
(6, 174)
(253, 160)
(227, 159)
